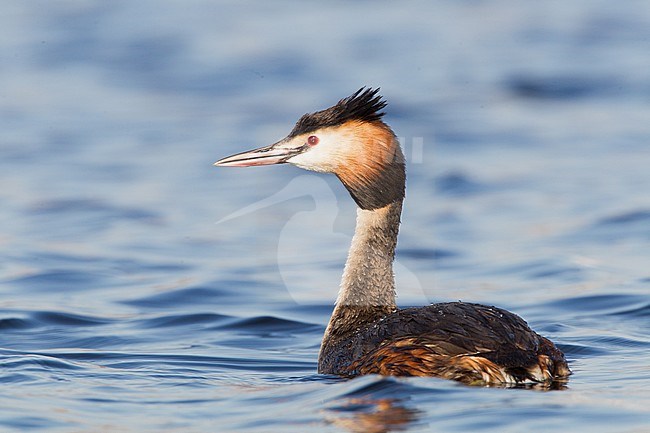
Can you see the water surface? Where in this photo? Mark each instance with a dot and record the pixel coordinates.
(144, 290)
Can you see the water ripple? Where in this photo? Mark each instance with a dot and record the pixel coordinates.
(177, 298)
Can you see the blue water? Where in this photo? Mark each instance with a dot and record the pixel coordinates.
(143, 289)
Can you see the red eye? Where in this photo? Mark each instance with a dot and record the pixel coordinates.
(312, 140)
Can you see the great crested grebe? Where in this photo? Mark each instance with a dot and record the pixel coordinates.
(367, 333)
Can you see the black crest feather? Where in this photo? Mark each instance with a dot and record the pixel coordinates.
(365, 104)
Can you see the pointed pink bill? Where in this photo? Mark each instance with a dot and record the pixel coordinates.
(266, 155)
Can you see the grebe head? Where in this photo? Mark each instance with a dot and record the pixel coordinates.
(348, 139)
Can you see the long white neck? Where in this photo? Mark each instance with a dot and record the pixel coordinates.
(368, 279)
